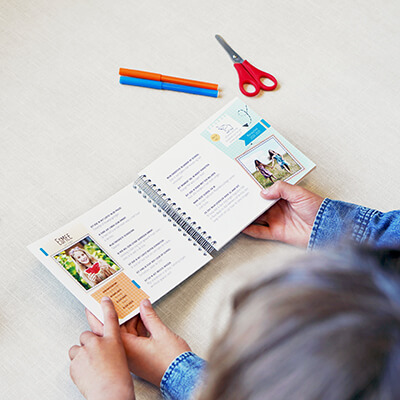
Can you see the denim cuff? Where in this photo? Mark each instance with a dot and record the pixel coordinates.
(337, 221)
(182, 376)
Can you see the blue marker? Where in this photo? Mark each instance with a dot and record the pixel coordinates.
(127, 80)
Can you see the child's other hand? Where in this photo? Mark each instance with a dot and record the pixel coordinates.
(291, 219)
(99, 366)
(150, 346)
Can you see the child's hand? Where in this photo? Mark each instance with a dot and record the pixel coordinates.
(93, 277)
(99, 366)
(291, 219)
(150, 346)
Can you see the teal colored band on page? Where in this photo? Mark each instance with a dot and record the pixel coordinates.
(266, 123)
(44, 252)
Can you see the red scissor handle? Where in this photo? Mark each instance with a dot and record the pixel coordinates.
(250, 75)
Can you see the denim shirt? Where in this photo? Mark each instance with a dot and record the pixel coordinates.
(335, 222)
(182, 376)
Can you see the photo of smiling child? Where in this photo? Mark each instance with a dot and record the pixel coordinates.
(87, 263)
(268, 162)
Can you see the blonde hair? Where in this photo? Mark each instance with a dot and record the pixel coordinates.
(80, 267)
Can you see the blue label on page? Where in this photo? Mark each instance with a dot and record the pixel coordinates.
(253, 133)
(136, 284)
(43, 252)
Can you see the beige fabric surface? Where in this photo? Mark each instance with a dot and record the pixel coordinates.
(71, 136)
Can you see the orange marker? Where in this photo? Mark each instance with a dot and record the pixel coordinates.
(164, 78)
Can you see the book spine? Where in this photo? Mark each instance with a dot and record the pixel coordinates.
(175, 214)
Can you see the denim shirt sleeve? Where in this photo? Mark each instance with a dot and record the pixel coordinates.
(337, 221)
(182, 376)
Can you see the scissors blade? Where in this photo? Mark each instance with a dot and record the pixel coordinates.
(232, 53)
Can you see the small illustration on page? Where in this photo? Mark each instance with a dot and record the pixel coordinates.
(245, 114)
(226, 130)
(268, 162)
(87, 263)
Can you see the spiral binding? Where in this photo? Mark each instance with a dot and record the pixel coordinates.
(175, 214)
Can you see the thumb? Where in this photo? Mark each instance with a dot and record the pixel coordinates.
(282, 190)
(258, 231)
(111, 324)
(150, 318)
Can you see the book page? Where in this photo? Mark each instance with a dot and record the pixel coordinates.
(124, 249)
(216, 173)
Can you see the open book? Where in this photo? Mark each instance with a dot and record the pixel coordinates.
(172, 220)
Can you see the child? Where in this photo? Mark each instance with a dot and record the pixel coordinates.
(264, 171)
(328, 328)
(274, 156)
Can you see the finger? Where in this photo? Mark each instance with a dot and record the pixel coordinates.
(135, 326)
(85, 337)
(258, 232)
(95, 325)
(283, 190)
(150, 319)
(131, 325)
(111, 324)
(73, 352)
(135, 347)
(141, 329)
(262, 219)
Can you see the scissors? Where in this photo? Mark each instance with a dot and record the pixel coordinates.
(248, 74)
